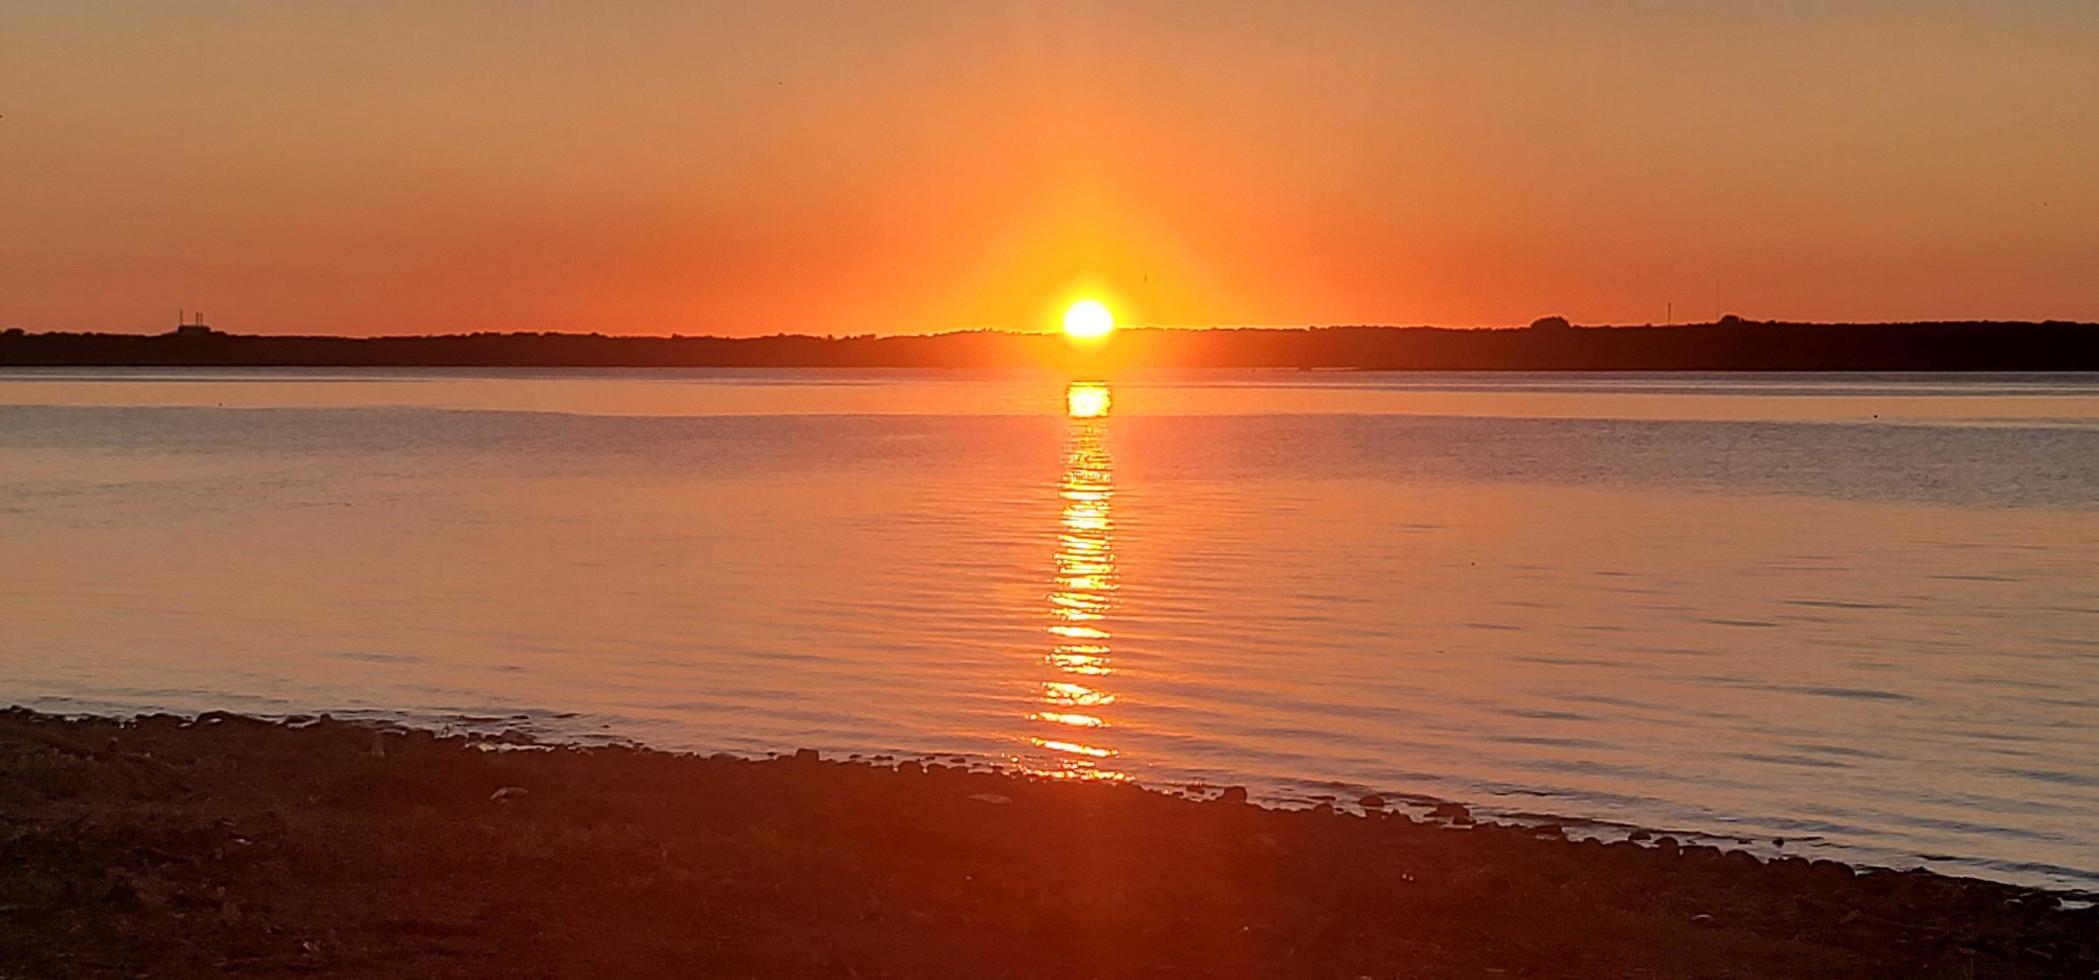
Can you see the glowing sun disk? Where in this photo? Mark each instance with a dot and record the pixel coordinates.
(1088, 319)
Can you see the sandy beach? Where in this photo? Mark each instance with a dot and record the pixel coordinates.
(224, 845)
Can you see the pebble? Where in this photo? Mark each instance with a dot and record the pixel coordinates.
(1823, 866)
(1372, 802)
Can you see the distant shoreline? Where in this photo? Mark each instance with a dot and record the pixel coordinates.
(1549, 345)
(171, 846)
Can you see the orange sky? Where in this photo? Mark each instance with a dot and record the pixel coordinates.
(845, 167)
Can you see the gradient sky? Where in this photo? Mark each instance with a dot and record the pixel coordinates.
(836, 167)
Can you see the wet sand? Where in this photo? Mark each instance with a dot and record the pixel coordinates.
(169, 847)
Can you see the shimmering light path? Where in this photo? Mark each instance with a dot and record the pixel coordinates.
(1082, 592)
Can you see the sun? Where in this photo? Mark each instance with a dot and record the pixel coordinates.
(1088, 320)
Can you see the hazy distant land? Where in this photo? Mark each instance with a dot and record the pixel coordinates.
(1547, 345)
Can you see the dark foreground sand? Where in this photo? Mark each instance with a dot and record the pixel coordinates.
(165, 848)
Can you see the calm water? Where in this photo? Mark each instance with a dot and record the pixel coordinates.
(1861, 612)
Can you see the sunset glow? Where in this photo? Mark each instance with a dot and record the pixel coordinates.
(1554, 489)
(1088, 320)
(750, 169)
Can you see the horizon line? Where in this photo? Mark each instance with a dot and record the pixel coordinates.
(1726, 320)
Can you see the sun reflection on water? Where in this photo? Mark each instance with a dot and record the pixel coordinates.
(1082, 592)
(1087, 400)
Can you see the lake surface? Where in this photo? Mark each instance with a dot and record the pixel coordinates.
(1857, 612)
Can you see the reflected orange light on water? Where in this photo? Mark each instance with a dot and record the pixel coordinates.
(1082, 591)
(1075, 695)
(1087, 400)
(1072, 718)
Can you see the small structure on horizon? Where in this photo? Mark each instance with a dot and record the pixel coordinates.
(185, 327)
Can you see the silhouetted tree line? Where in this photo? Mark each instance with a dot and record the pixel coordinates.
(1549, 344)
